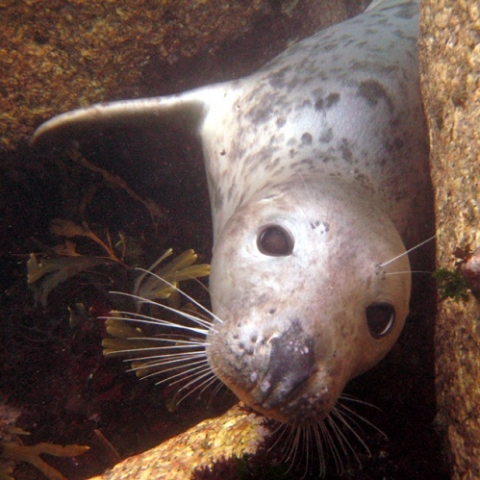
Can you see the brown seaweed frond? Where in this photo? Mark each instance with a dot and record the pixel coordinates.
(31, 454)
(70, 229)
(126, 340)
(114, 181)
(46, 273)
(12, 450)
(123, 336)
(165, 280)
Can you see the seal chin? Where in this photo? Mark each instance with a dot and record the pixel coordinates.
(308, 296)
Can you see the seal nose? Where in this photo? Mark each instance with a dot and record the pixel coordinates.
(288, 361)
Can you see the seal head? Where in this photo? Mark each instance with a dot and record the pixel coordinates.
(304, 300)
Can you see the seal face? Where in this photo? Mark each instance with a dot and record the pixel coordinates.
(309, 309)
(318, 179)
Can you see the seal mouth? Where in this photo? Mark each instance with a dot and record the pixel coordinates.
(300, 407)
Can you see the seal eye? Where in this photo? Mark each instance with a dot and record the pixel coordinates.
(275, 241)
(380, 319)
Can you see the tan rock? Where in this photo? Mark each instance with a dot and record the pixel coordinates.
(450, 63)
(235, 433)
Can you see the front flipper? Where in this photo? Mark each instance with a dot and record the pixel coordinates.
(188, 108)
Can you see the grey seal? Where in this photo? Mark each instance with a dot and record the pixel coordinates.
(318, 178)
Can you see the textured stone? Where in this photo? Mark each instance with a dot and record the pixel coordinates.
(69, 54)
(235, 433)
(449, 54)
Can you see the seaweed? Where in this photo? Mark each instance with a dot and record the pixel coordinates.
(48, 269)
(45, 274)
(149, 286)
(451, 284)
(31, 454)
(13, 451)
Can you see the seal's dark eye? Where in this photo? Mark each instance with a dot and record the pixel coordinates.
(380, 319)
(275, 241)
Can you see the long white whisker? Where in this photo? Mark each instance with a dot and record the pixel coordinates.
(188, 297)
(349, 398)
(281, 428)
(169, 358)
(202, 374)
(137, 351)
(159, 260)
(407, 252)
(408, 272)
(206, 383)
(172, 364)
(320, 450)
(198, 365)
(343, 443)
(294, 448)
(177, 342)
(331, 444)
(354, 415)
(140, 318)
(344, 422)
(199, 321)
(307, 448)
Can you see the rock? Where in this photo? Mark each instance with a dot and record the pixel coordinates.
(450, 71)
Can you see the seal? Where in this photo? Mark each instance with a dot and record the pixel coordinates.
(318, 179)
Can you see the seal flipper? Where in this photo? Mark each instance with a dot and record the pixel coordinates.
(189, 108)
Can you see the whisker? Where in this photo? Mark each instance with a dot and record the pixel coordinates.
(310, 197)
(407, 272)
(352, 414)
(349, 398)
(184, 294)
(320, 449)
(331, 444)
(202, 374)
(292, 453)
(335, 437)
(178, 355)
(157, 262)
(176, 341)
(171, 359)
(147, 319)
(171, 369)
(406, 252)
(195, 366)
(206, 384)
(306, 440)
(220, 385)
(346, 443)
(138, 350)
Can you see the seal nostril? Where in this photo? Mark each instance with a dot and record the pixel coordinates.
(380, 319)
